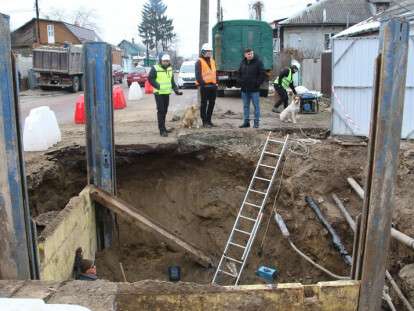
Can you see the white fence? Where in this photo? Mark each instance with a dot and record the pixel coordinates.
(353, 61)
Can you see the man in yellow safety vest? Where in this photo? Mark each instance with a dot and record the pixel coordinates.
(206, 79)
(161, 77)
(282, 83)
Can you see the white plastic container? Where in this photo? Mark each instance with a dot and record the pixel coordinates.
(135, 92)
(23, 304)
(41, 130)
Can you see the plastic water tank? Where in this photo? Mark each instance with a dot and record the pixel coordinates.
(135, 92)
(41, 130)
(23, 304)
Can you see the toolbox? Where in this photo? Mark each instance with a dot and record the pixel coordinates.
(267, 274)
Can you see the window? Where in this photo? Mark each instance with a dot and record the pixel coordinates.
(50, 34)
(328, 37)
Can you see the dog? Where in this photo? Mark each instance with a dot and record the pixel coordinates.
(190, 119)
(289, 113)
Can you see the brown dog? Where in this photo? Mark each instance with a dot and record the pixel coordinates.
(190, 118)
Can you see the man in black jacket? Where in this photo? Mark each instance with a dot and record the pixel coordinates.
(251, 75)
(282, 83)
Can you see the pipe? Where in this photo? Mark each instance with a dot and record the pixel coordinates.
(388, 275)
(398, 235)
(336, 240)
(285, 232)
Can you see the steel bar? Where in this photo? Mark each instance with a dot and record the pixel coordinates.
(383, 155)
(99, 131)
(18, 256)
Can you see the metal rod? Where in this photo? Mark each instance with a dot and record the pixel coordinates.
(99, 131)
(383, 162)
(123, 272)
(398, 235)
(18, 258)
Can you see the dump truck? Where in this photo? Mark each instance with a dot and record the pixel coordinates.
(230, 38)
(59, 67)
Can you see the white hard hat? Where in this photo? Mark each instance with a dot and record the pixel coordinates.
(206, 47)
(166, 57)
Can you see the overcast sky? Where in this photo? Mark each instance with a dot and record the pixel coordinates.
(118, 20)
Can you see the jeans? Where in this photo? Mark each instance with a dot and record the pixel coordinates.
(253, 97)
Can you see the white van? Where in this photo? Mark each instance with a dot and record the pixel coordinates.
(186, 76)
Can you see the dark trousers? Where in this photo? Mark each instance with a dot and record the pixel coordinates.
(283, 96)
(208, 100)
(162, 102)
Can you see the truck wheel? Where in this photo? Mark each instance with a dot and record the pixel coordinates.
(220, 93)
(81, 83)
(264, 93)
(75, 84)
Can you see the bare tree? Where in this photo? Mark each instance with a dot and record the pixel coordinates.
(256, 10)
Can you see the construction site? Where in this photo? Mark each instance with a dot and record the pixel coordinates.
(313, 215)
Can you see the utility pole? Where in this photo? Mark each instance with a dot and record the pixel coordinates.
(37, 21)
(219, 11)
(204, 16)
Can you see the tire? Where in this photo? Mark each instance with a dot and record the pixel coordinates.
(81, 83)
(264, 93)
(220, 93)
(75, 84)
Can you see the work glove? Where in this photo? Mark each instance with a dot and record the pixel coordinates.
(178, 92)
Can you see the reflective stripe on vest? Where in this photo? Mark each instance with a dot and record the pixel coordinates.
(286, 81)
(163, 78)
(208, 73)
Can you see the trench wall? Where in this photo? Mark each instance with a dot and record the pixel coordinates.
(73, 227)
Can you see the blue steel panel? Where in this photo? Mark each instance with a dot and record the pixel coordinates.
(99, 129)
(13, 195)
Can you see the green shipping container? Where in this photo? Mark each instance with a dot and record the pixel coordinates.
(230, 38)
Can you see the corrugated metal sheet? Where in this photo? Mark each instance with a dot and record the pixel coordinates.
(352, 81)
(332, 12)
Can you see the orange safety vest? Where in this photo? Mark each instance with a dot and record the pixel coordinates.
(208, 73)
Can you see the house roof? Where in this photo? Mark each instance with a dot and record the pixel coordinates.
(331, 12)
(82, 33)
(138, 47)
(404, 8)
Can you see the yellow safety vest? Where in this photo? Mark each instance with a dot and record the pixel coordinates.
(163, 78)
(286, 81)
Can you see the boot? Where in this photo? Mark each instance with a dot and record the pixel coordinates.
(245, 124)
(256, 124)
(164, 134)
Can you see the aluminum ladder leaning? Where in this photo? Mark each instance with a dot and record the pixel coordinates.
(250, 215)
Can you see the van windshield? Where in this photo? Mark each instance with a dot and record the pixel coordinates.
(187, 69)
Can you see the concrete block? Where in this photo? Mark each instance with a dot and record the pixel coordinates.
(73, 227)
(37, 289)
(8, 288)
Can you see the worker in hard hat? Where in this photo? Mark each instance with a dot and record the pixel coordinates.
(206, 80)
(282, 83)
(161, 77)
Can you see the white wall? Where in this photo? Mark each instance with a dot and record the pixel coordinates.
(309, 40)
(353, 62)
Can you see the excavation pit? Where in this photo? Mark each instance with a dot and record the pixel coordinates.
(195, 188)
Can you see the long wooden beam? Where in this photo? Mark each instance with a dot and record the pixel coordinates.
(127, 211)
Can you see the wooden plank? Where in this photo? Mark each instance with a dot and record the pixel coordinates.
(383, 162)
(125, 210)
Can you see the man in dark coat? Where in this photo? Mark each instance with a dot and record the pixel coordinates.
(251, 75)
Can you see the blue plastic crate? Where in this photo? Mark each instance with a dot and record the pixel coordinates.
(266, 273)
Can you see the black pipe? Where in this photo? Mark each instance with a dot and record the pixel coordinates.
(336, 240)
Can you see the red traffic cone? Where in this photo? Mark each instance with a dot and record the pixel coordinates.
(118, 98)
(79, 117)
(148, 88)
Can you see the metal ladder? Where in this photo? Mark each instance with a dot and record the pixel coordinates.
(250, 214)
